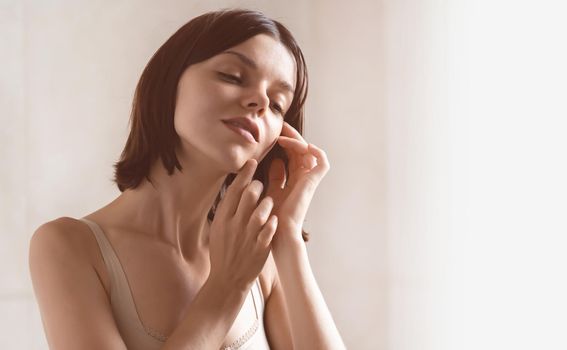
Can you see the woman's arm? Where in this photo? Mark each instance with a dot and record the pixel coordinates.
(74, 306)
(311, 322)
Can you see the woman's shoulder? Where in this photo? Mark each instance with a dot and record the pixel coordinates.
(70, 240)
(67, 236)
(59, 230)
(67, 287)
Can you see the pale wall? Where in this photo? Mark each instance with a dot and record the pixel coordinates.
(69, 72)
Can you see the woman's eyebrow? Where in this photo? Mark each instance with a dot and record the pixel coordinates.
(250, 63)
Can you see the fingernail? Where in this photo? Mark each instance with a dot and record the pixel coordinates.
(257, 186)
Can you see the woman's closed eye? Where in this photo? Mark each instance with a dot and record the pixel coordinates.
(278, 108)
(230, 77)
(237, 80)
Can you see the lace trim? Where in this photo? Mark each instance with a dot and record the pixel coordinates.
(155, 334)
(244, 338)
(235, 345)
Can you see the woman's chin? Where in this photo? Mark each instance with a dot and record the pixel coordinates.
(235, 165)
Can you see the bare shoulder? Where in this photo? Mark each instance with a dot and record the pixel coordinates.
(66, 237)
(67, 288)
(64, 234)
(55, 240)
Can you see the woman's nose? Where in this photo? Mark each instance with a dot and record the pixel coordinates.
(257, 101)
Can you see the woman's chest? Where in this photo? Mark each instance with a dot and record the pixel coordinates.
(162, 287)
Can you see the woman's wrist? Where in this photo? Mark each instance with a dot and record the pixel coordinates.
(287, 246)
(225, 289)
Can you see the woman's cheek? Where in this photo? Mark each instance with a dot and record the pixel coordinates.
(267, 147)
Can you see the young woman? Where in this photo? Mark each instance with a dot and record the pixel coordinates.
(204, 247)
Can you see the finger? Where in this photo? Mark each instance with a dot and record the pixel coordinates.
(309, 161)
(248, 201)
(229, 202)
(288, 130)
(322, 161)
(260, 215)
(295, 144)
(292, 148)
(267, 233)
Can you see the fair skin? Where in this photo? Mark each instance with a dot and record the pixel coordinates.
(162, 236)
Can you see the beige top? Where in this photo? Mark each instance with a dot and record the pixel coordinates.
(138, 337)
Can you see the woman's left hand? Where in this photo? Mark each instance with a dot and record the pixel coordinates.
(307, 166)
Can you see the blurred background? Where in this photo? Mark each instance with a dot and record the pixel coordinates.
(442, 222)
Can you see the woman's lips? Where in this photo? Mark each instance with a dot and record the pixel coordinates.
(241, 131)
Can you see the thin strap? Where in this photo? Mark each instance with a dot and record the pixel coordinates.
(256, 306)
(120, 292)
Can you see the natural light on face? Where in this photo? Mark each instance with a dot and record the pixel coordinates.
(237, 68)
(265, 68)
(252, 80)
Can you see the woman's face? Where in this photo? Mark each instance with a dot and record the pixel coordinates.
(207, 95)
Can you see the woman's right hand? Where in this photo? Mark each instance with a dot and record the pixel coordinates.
(241, 233)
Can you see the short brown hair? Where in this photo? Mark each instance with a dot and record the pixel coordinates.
(152, 133)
